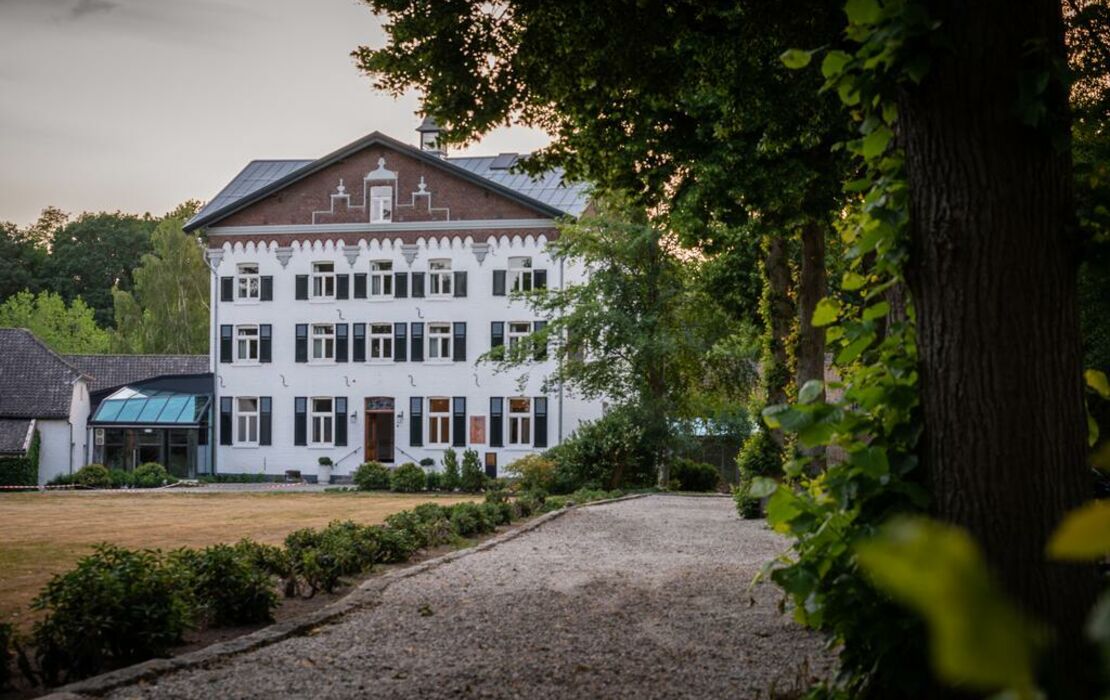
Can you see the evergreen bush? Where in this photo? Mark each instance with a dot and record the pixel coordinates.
(371, 476)
(694, 476)
(450, 470)
(226, 585)
(94, 476)
(407, 478)
(472, 477)
(150, 475)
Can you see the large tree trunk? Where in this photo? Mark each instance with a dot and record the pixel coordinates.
(994, 283)
(811, 339)
(779, 314)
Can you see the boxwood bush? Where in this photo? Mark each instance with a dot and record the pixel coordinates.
(407, 478)
(371, 476)
(149, 475)
(694, 476)
(94, 476)
(226, 585)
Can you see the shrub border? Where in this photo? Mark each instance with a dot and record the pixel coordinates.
(368, 594)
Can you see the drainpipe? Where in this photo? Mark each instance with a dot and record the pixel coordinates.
(561, 286)
(213, 339)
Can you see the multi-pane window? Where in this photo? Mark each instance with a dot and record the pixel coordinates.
(518, 330)
(381, 341)
(520, 274)
(249, 284)
(246, 343)
(439, 278)
(381, 204)
(323, 341)
(520, 421)
(439, 421)
(323, 280)
(439, 341)
(322, 421)
(246, 420)
(381, 278)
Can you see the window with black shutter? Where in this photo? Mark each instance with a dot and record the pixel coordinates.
(496, 334)
(300, 420)
(539, 409)
(400, 342)
(417, 285)
(460, 283)
(340, 421)
(417, 343)
(360, 285)
(265, 420)
(541, 343)
(458, 419)
(358, 342)
(301, 287)
(539, 279)
(301, 348)
(267, 288)
(341, 342)
(400, 285)
(416, 421)
(265, 343)
(225, 420)
(225, 344)
(499, 283)
(497, 422)
(459, 354)
(227, 288)
(342, 286)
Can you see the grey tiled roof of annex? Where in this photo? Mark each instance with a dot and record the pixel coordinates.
(35, 382)
(110, 371)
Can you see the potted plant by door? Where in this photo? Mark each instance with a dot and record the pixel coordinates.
(324, 473)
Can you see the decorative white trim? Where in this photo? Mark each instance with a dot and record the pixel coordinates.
(409, 250)
(381, 172)
(284, 254)
(462, 225)
(351, 252)
(215, 256)
(480, 250)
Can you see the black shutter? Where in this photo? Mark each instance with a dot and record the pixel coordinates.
(460, 284)
(539, 421)
(265, 343)
(416, 421)
(301, 353)
(400, 285)
(267, 288)
(265, 421)
(342, 286)
(498, 283)
(358, 343)
(341, 342)
(340, 421)
(360, 285)
(225, 420)
(300, 421)
(541, 344)
(539, 279)
(227, 289)
(417, 352)
(301, 288)
(400, 342)
(496, 334)
(417, 285)
(459, 354)
(458, 420)
(225, 344)
(496, 422)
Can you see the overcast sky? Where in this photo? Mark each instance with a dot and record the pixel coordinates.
(138, 105)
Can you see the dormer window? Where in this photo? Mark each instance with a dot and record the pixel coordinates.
(439, 278)
(323, 280)
(381, 204)
(249, 283)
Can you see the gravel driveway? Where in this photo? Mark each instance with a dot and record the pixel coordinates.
(640, 598)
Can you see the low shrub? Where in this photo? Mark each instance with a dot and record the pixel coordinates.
(411, 523)
(371, 476)
(467, 519)
(150, 475)
(533, 472)
(270, 559)
(747, 506)
(116, 607)
(226, 586)
(63, 480)
(609, 453)
(395, 545)
(232, 478)
(95, 476)
(427, 462)
(407, 478)
(497, 513)
(472, 478)
(120, 479)
(450, 470)
(437, 523)
(433, 481)
(694, 476)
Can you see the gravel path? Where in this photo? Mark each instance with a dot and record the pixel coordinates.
(640, 598)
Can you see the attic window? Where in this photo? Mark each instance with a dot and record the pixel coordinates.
(381, 204)
(503, 161)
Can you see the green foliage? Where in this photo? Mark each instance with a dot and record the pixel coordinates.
(25, 251)
(116, 607)
(65, 329)
(695, 476)
(611, 452)
(1084, 535)
(470, 519)
(22, 471)
(371, 476)
(120, 478)
(472, 478)
(407, 478)
(433, 481)
(533, 472)
(149, 475)
(227, 585)
(94, 476)
(760, 456)
(451, 477)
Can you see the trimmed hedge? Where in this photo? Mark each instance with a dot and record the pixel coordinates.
(371, 476)
(95, 476)
(694, 476)
(22, 471)
(407, 478)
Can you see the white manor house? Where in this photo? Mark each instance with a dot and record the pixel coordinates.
(353, 295)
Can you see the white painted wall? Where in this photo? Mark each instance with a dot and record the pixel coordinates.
(284, 379)
(63, 441)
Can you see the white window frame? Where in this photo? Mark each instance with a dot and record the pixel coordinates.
(520, 274)
(439, 342)
(516, 332)
(248, 283)
(323, 280)
(245, 338)
(439, 422)
(321, 424)
(520, 422)
(247, 421)
(379, 342)
(381, 279)
(440, 278)
(319, 333)
(381, 204)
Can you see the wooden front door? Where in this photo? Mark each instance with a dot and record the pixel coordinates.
(379, 430)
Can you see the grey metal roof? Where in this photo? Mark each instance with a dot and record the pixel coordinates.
(15, 435)
(110, 371)
(548, 193)
(35, 382)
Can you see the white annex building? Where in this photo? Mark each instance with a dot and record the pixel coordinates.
(353, 295)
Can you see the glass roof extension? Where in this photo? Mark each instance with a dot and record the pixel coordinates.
(130, 406)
